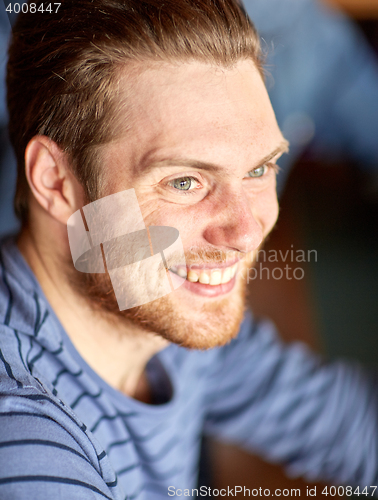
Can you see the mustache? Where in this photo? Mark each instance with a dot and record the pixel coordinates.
(98, 289)
(198, 255)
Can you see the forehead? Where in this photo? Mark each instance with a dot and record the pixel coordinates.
(197, 110)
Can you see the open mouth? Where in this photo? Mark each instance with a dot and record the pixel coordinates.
(213, 277)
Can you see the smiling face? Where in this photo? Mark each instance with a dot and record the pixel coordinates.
(200, 153)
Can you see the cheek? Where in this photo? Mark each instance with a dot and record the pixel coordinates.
(265, 209)
(158, 213)
(190, 220)
(187, 220)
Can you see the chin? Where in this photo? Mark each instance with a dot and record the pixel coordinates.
(188, 324)
(181, 317)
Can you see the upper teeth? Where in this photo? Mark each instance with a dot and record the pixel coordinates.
(207, 276)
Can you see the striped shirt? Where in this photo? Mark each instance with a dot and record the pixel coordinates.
(66, 434)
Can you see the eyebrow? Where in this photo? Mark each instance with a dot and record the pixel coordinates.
(282, 148)
(186, 162)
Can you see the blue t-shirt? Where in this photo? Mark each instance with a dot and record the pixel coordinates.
(65, 433)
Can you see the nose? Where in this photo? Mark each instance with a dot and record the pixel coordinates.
(233, 225)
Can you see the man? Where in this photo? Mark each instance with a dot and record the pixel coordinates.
(166, 100)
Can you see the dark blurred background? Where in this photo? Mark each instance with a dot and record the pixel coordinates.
(322, 76)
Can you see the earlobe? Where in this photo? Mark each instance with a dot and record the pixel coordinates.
(52, 183)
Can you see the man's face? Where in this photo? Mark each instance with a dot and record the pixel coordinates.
(200, 154)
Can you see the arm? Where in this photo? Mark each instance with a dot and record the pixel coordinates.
(45, 454)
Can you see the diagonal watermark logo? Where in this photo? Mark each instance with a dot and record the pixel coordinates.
(109, 236)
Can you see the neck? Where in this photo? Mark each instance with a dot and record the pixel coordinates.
(118, 351)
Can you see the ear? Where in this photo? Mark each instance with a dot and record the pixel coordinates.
(50, 179)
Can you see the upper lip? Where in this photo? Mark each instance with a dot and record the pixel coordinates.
(209, 265)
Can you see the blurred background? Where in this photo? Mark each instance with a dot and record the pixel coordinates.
(318, 277)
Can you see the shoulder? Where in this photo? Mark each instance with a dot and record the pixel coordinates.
(45, 450)
(27, 406)
(29, 336)
(20, 305)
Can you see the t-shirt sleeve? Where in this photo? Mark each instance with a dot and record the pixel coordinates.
(286, 404)
(45, 457)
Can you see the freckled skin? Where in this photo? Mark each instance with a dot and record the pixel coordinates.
(221, 116)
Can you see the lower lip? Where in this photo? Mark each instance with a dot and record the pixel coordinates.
(210, 290)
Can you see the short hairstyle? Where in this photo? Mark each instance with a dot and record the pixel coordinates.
(63, 68)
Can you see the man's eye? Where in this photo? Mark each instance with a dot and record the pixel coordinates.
(258, 172)
(184, 183)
